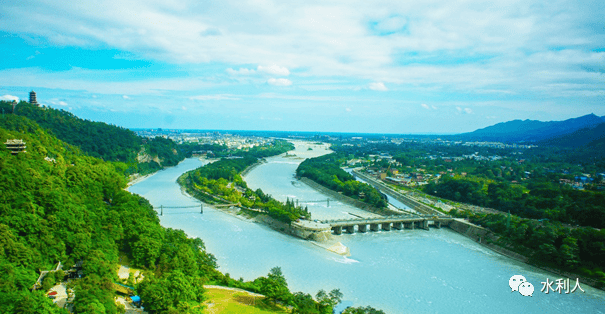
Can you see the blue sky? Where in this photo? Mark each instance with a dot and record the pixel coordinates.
(340, 66)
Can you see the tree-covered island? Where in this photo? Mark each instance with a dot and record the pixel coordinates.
(221, 182)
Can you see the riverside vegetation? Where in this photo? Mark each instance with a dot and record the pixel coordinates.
(60, 203)
(222, 179)
(533, 214)
(326, 171)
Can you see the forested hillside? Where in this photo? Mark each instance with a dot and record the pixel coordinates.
(101, 140)
(58, 205)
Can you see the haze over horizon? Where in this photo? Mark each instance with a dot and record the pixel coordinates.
(338, 66)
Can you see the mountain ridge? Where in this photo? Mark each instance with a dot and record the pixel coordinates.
(532, 130)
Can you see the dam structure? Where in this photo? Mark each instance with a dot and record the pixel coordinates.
(387, 223)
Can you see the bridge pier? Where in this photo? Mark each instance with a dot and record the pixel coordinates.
(425, 224)
(337, 230)
(410, 225)
(437, 224)
(386, 226)
(373, 227)
(397, 225)
(362, 228)
(350, 229)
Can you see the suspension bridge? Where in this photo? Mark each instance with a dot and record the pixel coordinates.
(200, 206)
(316, 201)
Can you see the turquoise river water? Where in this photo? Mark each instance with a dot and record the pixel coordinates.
(408, 271)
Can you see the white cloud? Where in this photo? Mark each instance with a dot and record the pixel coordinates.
(274, 69)
(58, 102)
(241, 71)
(464, 110)
(9, 98)
(307, 97)
(125, 97)
(378, 86)
(390, 24)
(425, 106)
(434, 108)
(523, 48)
(279, 82)
(214, 97)
(348, 109)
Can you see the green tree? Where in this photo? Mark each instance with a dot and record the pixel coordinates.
(274, 286)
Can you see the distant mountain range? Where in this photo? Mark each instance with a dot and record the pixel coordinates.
(573, 132)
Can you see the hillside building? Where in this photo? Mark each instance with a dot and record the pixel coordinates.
(15, 146)
(32, 98)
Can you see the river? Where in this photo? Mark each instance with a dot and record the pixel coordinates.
(409, 271)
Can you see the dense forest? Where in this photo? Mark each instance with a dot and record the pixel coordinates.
(326, 171)
(101, 140)
(222, 178)
(58, 205)
(539, 200)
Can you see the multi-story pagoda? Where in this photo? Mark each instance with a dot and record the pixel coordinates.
(15, 146)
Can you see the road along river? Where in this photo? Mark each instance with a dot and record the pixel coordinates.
(407, 271)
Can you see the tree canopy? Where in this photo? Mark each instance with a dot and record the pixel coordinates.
(59, 205)
(326, 171)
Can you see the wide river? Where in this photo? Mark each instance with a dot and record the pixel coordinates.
(409, 271)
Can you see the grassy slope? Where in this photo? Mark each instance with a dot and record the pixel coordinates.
(225, 300)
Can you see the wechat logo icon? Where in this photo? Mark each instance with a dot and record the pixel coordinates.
(519, 283)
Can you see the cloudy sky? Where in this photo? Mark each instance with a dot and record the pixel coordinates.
(345, 66)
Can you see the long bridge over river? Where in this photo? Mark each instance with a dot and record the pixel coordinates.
(386, 223)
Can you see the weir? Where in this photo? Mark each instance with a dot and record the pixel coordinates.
(386, 223)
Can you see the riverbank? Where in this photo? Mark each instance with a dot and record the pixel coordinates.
(251, 167)
(348, 200)
(488, 239)
(137, 177)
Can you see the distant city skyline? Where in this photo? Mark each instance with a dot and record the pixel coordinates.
(437, 67)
